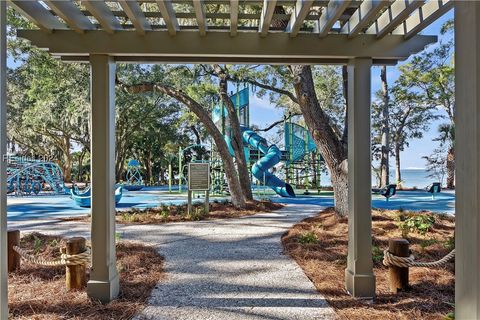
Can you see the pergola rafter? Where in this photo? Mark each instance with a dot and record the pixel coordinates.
(168, 14)
(393, 16)
(301, 10)
(71, 14)
(266, 17)
(423, 17)
(363, 16)
(199, 7)
(103, 14)
(135, 14)
(38, 14)
(330, 15)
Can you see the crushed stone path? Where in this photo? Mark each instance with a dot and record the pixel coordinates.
(224, 269)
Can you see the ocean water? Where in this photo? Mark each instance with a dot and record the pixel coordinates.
(410, 177)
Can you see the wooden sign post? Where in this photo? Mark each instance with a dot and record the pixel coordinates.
(198, 180)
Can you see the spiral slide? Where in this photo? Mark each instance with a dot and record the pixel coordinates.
(272, 156)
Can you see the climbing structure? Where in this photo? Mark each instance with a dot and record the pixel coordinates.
(133, 176)
(261, 155)
(26, 177)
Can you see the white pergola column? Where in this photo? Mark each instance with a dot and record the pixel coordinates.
(104, 282)
(359, 278)
(467, 160)
(3, 163)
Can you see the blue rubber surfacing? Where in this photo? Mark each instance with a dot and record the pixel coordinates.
(48, 207)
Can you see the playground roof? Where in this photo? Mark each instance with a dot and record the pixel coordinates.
(235, 31)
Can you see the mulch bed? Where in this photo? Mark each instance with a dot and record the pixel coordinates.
(37, 292)
(166, 214)
(319, 246)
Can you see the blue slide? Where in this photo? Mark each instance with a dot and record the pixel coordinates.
(272, 156)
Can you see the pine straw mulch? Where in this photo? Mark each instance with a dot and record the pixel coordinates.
(173, 213)
(432, 290)
(37, 292)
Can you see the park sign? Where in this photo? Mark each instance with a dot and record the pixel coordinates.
(198, 176)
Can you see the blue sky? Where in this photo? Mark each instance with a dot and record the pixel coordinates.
(262, 112)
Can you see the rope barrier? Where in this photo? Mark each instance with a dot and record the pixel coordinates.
(390, 259)
(65, 259)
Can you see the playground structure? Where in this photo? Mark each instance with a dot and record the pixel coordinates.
(26, 176)
(84, 198)
(264, 157)
(133, 176)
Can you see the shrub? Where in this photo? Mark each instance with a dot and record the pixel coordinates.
(308, 238)
(377, 254)
(450, 243)
(415, 223)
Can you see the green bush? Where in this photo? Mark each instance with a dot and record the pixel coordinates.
(307, 238)
(415, 223)
(377, 254)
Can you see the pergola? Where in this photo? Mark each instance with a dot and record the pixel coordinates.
(357, 33)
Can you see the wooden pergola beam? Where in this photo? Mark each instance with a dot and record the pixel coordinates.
(103, 15)
(189, 45)
(302, 8)
(266, 16)
(393, 16)
(363, 16)
(168, 14)
(199, 7)
(71, 14)
(423, 17)
(135, 14)
(38, 14)
(330, 15)
(233, 17)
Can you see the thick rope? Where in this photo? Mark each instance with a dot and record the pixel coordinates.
(65, 259)
(390, 259)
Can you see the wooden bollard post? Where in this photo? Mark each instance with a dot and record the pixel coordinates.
(76, 277)
(13, 239)
(398, 275)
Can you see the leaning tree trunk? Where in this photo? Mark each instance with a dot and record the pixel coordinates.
(385, 150)
(451, 168)
(68, 161)
(398, 173)
(236, 194)
(331, 148)
(237, 140)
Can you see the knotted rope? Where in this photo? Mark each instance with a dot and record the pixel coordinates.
(65, 259)
(390, 259)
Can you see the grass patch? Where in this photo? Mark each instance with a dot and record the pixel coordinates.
(324, 262)
(37, 292)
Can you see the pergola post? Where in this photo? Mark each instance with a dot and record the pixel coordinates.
(104, 282)
(467, 159)
(359, 278)
(3, 163)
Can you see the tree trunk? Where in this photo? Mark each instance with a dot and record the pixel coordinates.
(237, 197)
(398, 173)
(67, 174)
(80, 165)
(331, 148)
(451, 168)
(237, 140)
(385, 150)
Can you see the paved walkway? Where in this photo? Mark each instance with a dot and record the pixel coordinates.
(225, 269)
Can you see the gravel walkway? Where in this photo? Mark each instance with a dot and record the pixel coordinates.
(225, 269)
